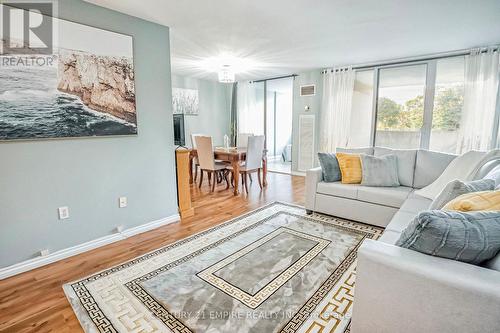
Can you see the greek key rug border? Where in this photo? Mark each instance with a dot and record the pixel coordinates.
(306, 310)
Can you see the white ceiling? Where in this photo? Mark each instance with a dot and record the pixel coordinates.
(291, 36)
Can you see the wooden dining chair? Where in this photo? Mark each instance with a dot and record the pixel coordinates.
(242, 139)
(253, 161)
(195, 161)
(207, 162)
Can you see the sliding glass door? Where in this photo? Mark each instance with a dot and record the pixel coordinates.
(265, 108)
(414, 105)
(279, 99)
(400, 106)
(448, 103)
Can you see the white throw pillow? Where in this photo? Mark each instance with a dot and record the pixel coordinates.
(494, 174)
(456, 188)
(460, 168)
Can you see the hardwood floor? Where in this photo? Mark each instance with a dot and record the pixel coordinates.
(35, 302)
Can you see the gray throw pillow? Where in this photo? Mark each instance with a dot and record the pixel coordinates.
(379, 171)
(406, 163)
(330, 167)
(457, 187)
(469, 237)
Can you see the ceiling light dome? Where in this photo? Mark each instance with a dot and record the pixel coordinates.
(226, 74)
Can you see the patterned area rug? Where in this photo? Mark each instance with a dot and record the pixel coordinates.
(275, 269)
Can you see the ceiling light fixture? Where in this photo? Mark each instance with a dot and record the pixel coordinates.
(226, 74)
(227, 66)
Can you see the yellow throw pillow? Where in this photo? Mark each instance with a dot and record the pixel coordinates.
(350, 168)
(485, 200)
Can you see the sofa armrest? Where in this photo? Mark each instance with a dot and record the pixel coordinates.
(313, 177)
(400, 290)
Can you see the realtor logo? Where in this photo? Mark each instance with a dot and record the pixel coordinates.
(27, 27)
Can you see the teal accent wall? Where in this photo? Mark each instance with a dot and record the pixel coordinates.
(215, 106)
(299, 104)
(89, 175)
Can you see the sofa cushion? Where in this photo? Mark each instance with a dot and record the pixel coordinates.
(493, 173)
(354, 209)
(330, 167)
(468, 237)
(338, 189)
(379, 171)
(367, 150)
(429, 166)
(401, 220)
(415, 203)
(462, 168)
(389, 237)
(493, 263)
(406, 163)
(387, 196)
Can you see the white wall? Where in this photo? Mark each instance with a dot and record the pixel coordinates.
(89, 174)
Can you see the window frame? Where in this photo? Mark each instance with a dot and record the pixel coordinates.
(429, 96)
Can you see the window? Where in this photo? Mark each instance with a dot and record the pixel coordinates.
(400, 106)
(418, 105)
(448, 102)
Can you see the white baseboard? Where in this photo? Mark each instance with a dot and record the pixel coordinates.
(298, 173)
(87, 246)
(150, 226)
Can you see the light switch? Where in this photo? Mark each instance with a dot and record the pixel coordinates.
(63, 213)
(122, 202)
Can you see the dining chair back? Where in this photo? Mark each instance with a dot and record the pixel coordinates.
(205, 152)
(254, 152)
(242, 139)
(193, 141)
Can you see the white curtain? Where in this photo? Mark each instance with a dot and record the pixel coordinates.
(480, 98)
(335, 117)
(250, 102)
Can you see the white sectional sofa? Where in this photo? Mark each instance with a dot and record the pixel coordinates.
(376, 205)
(400, 290)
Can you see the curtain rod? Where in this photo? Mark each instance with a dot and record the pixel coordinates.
(400, 61)
(275, 78)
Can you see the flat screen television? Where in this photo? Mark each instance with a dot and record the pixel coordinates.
(179, 135)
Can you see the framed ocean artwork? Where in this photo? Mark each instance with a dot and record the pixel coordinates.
(85, 87)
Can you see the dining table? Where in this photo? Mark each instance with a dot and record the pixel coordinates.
(234, 156)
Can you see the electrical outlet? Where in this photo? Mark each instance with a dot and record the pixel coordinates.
(44, 252)
(63, 213)
(122, 202)
(119, 228)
